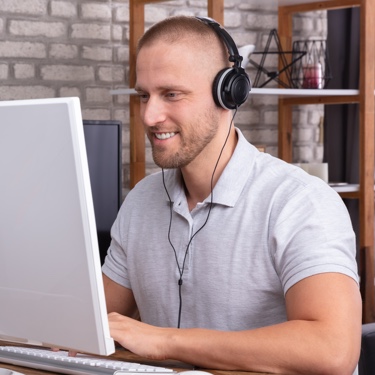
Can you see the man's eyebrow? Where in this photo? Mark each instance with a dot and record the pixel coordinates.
(163, 88)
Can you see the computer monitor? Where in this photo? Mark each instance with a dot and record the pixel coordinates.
(51, 288)
(103, 146)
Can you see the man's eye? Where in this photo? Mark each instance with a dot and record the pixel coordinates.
(172, 95)
(143, 97)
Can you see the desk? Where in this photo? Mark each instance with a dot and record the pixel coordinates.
(127, 356)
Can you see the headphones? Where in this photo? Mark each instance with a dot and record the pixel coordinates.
(231, 86)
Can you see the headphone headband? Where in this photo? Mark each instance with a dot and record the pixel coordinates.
(234, 55)
(231, 86)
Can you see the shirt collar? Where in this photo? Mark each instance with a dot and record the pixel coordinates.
(231, 182)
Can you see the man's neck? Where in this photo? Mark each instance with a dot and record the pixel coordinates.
(200, 176)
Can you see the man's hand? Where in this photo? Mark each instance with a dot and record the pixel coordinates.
(140, 338)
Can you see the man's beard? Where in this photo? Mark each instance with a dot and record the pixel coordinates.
(193, 140)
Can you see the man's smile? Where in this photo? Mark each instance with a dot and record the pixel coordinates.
(164, 135)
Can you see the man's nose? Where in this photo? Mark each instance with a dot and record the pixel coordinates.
(153, 112)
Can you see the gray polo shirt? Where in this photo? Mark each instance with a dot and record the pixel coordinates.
(271, 225)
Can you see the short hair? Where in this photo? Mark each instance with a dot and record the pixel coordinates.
(187, 29)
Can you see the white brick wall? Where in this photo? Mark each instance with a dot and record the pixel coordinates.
(63, 9)
(22, 50)
(37, 28)
(61, 51)
(52, 48)
(24, 7)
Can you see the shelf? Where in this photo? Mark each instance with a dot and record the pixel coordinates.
(302, 92)
(344, 187)
(298, 2)
(291, 96)
(277, 92)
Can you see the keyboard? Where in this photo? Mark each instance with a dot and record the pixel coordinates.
(81, 364)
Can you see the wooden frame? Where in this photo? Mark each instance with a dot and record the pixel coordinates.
(365, 99)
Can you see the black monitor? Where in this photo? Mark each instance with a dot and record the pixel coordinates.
(103, 145)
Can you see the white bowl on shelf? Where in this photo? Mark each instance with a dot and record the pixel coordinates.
(245, 52)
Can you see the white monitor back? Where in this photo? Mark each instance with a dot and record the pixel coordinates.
(51, 290)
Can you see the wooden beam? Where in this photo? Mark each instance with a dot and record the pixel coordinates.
(215, 10)
(285, 147)
(350, 195)
(366, 141)
(304, 100)
(321, 5)
(137, 134)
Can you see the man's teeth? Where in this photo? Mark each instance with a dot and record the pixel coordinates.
(164, 135)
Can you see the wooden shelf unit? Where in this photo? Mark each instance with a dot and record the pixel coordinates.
(287, 99)
(365, 99)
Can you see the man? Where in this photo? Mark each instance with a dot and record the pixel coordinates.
(233, 258)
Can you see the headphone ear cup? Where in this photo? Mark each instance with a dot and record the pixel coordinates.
(217, 87)
(231, 88)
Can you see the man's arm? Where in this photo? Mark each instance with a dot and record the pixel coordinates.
(322, 335)
(119, 299)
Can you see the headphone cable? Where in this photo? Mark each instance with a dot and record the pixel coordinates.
(181, 269)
